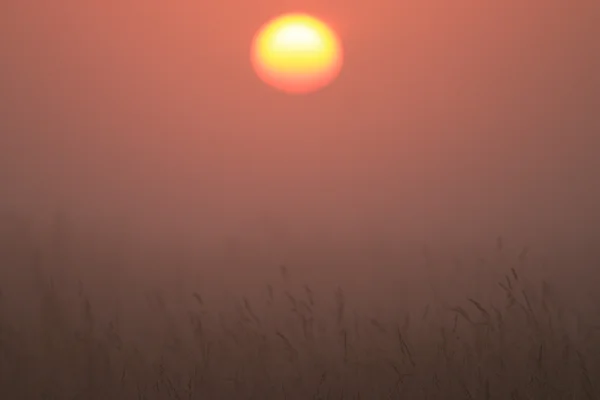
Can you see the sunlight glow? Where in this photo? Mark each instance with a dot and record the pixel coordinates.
(296, 53)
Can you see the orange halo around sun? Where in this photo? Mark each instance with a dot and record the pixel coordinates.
(296, 53)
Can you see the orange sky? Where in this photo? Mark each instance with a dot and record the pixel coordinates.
(448, 115)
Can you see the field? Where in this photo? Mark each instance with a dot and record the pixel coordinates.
(92, 319)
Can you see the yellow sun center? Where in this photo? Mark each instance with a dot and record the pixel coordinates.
(296, 53)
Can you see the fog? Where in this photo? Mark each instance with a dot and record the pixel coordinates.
(425, 227)
(450, 121)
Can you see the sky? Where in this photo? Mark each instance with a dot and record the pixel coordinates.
(454, 118)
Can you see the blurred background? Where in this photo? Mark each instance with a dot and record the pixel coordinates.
(451, 120)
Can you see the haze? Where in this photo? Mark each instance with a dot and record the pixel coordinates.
(451, 120)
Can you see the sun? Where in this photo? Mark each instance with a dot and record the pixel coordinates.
(296, 53)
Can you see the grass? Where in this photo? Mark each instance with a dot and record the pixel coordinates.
(80, 324)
